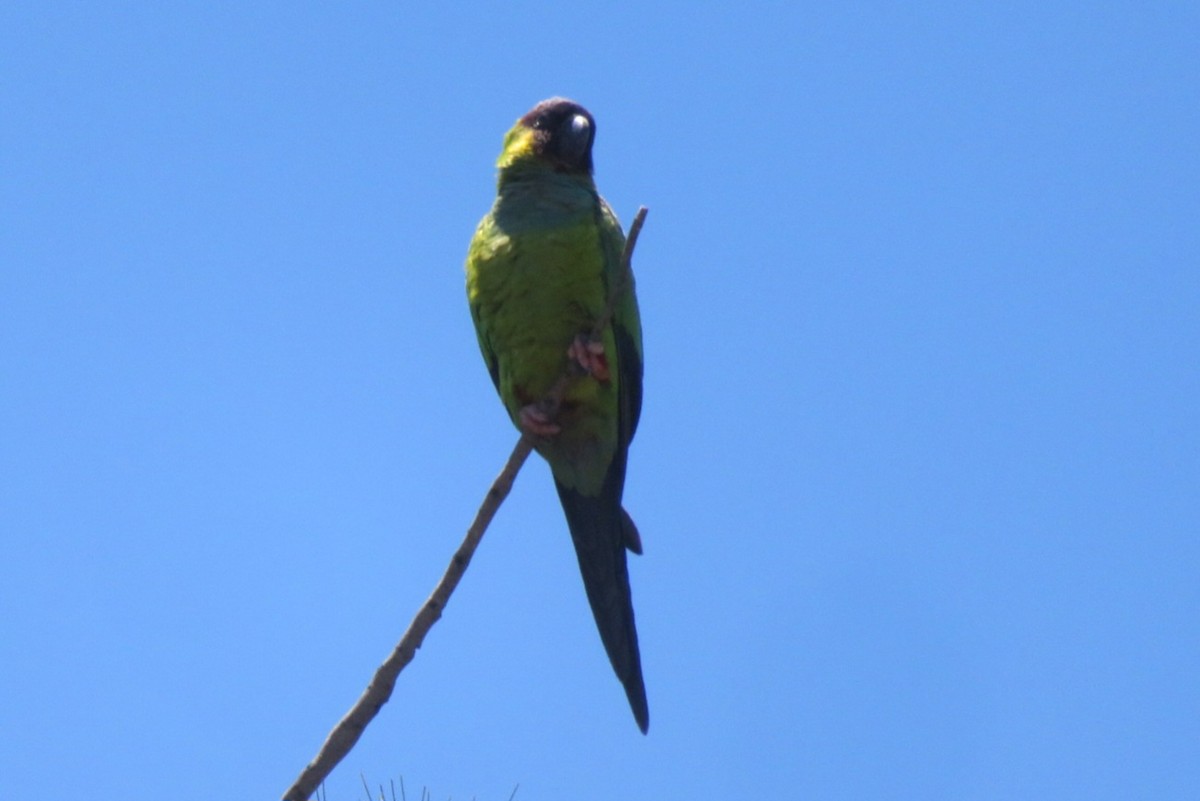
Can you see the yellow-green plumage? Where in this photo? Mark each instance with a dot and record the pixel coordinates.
(539, 272)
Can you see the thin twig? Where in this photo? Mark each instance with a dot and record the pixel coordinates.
(618, 287)
(347, 731)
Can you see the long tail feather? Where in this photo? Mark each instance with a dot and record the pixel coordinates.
(602, 531)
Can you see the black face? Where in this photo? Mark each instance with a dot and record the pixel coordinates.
(564, 134)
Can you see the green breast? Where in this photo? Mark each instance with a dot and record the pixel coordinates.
(535, 280)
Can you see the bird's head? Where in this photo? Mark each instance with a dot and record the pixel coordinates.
(556, 132)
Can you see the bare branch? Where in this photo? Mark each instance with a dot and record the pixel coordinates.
(347, 731)
(614, 295)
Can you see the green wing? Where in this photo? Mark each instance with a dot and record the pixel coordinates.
(627, 332)
(479, 246)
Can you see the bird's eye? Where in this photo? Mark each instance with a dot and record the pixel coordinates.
(579, 124)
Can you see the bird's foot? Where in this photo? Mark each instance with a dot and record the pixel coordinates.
(589, 354)
(536, 423)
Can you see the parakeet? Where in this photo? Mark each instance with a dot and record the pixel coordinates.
(539, 272)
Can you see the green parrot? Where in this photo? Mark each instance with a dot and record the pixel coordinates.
(539, 272)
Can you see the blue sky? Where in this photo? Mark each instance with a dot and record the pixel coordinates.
(918, 473)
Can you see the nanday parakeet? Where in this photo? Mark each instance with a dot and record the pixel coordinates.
(539, 272)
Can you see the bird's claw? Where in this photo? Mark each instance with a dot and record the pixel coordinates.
(589, 355)
(536, 423)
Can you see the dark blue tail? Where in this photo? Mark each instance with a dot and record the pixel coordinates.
(602, 531)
